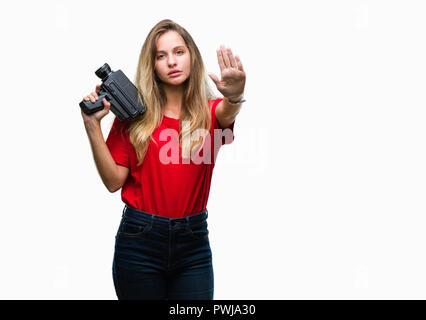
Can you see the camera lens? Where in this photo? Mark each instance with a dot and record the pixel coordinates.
(103, 71)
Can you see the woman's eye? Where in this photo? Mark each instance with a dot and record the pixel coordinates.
(161, 55)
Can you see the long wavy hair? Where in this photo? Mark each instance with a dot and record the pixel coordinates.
(196, 95)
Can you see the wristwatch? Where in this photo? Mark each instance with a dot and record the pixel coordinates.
(241, 100)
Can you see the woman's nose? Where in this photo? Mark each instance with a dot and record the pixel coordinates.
(172, 61)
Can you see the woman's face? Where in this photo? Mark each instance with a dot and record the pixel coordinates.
(172, 54)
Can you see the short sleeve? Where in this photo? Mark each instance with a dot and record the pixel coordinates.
(117, 143)
(226, 133)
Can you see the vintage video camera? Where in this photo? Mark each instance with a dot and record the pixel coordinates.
(119, 91)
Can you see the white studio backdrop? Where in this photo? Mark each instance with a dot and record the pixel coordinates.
(320, 196)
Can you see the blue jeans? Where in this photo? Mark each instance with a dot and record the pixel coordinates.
(162, 258)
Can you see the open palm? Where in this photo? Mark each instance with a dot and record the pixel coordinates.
(233, 77)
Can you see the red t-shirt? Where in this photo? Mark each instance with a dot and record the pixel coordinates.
(174, 189)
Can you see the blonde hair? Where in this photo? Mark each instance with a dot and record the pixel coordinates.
(195, 98)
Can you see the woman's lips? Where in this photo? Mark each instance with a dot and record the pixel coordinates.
(175, 74)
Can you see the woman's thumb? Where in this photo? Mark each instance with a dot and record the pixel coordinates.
(214, 78)
(107, 106)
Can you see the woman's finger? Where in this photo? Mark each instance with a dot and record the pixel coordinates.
(239, 64)
(225, 57)
(220, 60)
(231, 58)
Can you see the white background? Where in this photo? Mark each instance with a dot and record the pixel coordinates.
(320, 196)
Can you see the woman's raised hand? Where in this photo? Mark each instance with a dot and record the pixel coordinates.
(232, 73)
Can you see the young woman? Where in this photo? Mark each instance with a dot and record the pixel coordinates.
(162, 249)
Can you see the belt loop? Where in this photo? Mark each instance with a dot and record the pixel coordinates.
(124, 209)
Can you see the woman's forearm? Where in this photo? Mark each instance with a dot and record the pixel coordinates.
(107, 168)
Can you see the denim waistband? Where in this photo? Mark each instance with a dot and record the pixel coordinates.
(134, 213)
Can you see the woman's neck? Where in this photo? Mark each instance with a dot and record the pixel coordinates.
(173, 106)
